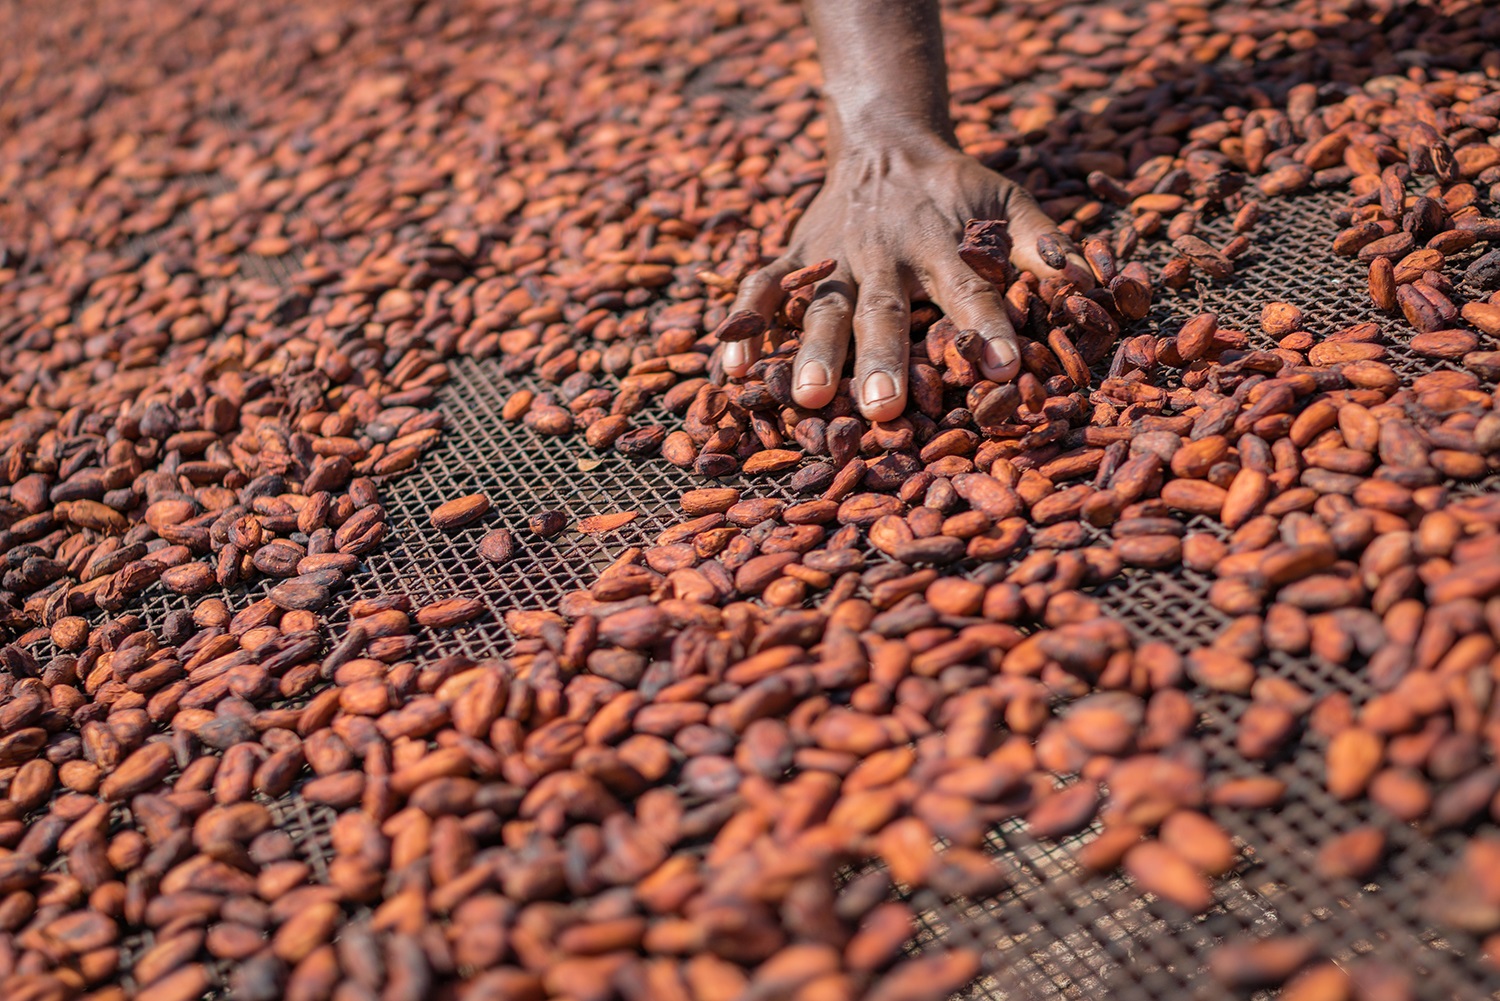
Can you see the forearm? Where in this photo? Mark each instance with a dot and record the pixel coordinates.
(884, 73)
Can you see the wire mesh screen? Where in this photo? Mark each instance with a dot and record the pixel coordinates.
(1057, 931)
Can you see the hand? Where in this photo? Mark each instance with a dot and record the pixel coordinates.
(893, 218)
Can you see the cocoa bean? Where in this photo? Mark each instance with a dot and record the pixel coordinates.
(459, 512)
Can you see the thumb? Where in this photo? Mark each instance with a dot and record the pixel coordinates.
(1028, 223)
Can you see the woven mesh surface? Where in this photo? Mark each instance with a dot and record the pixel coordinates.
(1058, 932)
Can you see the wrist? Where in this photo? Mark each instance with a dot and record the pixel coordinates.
(916, 135)
(885, 77)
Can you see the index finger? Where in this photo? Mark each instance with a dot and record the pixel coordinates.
(756, 302)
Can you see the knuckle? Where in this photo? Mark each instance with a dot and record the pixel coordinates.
(747, 297)
(967, 288)
(827, 309)
(1017, 197)
(970, 295)
(757, 283)
(881, 304)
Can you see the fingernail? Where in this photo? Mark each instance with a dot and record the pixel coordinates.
(734, 354)
(879, 387)
(814, 375)
(999, 353)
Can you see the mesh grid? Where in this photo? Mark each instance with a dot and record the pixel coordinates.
(1058, 932)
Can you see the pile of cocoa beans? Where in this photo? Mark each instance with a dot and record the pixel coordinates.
(241, 242)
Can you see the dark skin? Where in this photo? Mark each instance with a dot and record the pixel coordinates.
(892, 213)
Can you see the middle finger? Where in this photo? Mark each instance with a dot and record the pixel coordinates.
(882, 342)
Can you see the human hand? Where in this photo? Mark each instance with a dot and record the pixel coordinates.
(893, 219)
